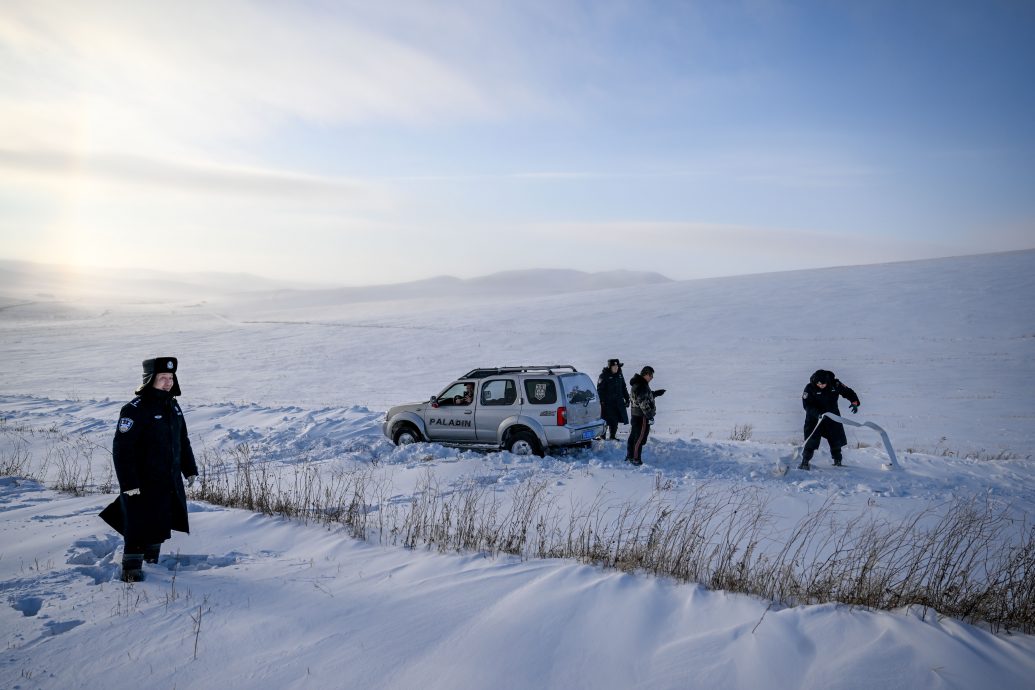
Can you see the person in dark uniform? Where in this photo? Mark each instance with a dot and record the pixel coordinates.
(614, 396)
(643, 410)
(152, 455)
(821, 396)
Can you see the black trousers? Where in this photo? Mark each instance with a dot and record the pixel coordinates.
(833, 440)
(638, 432)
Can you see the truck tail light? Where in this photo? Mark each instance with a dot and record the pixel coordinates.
(562, 416)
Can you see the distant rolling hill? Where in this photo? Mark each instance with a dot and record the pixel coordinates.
(515, 285)
(26, 282)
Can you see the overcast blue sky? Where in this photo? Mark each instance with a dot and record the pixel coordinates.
(359, 142)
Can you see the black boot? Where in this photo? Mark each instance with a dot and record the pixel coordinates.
(132, 567)
(151, 553)
(837, 462)
(804, 465)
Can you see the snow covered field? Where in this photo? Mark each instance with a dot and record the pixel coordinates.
(941, 353)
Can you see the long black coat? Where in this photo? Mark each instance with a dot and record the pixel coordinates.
(816, 401)
(152, 453)
(614, 397)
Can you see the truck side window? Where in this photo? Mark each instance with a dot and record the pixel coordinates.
(541, 391)
(499, 392)
(457, 394)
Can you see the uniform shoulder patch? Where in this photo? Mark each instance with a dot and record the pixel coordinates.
(125, 424)
(805, 395)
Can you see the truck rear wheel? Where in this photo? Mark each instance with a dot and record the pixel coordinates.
(524, 443)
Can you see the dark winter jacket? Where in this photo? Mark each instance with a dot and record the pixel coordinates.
(614, 397)
(152, 453)
(816, 401)
(641, 397)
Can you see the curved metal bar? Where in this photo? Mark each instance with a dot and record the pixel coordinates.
(781, 467)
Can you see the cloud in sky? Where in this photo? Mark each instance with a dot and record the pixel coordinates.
(125, 171)
(201, 72)
(313, 139)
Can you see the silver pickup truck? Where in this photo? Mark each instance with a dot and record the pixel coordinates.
(525, 410)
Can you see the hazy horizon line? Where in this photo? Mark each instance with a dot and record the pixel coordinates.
(284, 283)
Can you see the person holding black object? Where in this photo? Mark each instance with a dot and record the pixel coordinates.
(152, 455)
(643, 411)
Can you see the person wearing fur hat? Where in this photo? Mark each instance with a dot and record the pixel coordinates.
(643, 410)
(820, 395)
(614, 396)
(152, 454)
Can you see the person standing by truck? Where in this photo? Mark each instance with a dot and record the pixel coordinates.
(643, 411)
(614, 396)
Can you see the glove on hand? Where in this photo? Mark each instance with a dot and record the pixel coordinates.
(132, 492)
(658, 393)
(854, 407)
(190, 480)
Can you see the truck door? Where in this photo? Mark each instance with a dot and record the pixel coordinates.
(497, 400)
(451, 418)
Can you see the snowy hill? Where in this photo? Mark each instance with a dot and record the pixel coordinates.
(507, 286)
(941, 353)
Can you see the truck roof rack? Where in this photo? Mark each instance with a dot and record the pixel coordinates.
(529, 369)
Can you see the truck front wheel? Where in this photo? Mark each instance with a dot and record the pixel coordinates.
(405, 434)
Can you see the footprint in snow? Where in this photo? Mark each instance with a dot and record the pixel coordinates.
(58, 627)
(189, 561)
(29, 606)
(92, 550)
(95, 557)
